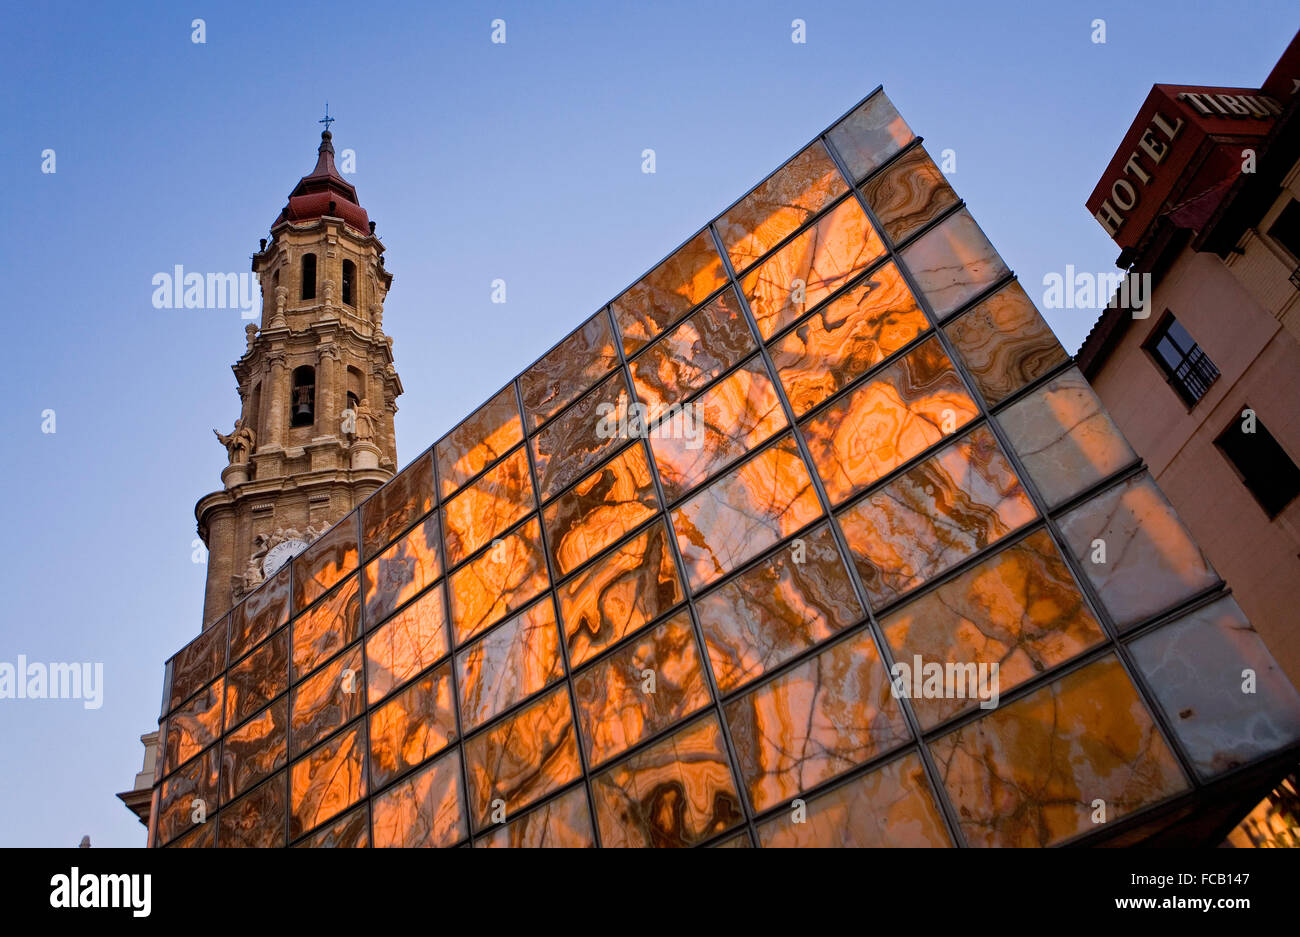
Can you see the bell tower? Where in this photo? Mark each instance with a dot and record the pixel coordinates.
(317, 388)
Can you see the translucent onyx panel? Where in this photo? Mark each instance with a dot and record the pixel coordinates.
(780, 205)
(673, 288)
(1019, 609)
(322, 565)
(690, 356)
(1064, 437)
(201, 837)
(255, 750)
(870, 135)
(498, 581)
(1135, 551)
(568, 370)
(416, 723)
(1197, 667)
(889, 807)
(600, 509)
(326, 700)
(192, 727)
(676, 793)
(510, 663)
(908, 195)
(830, 713)
(1005, 343)
(327, 627)
(327, 781)
(406, 644)
(580, 437)
(402, 571)
(256, 820)
(1028, 774)
(522, 758)
(499, 498)
(488, 434)
(640, 689)
(847, 337)
(351, 831)
(904, 409)
(953, 262)
(424, 810)
(562, 823)
(258, 678)
(195, 781)
(839, 246)
(727, 420)
(937, 513)
(197, 664)
(396, 505)
(260, 614)
(627, 588)
(744, 512)
(796, 598)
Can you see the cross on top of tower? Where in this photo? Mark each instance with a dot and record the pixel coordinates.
(327, 119)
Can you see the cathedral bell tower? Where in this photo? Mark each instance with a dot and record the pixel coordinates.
(317, 387)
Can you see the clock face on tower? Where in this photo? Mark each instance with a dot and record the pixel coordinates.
(280, 554)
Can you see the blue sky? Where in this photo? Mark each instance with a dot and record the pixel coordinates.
(478, 161)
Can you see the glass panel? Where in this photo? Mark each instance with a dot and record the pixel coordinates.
(402, 571)
(499, 581)
(329, 626)
(781, 205)
(815, 264)
(846, 338)
(1020, 610)
(500, 497)
(1005, 343)
(904, 409)
(908, 195)
(583, 435)
(1064, 437)
(674, 287)
(563, 823)
(260, 614)
(423, 810)
(522, 759)
(953, 262)
(255, 750)
(326, 700)
(414, 724)
(396, 505)
(934, 515)
(1028, 774)
(828, 714)
(198, 663)
(512, 662)
(324, 563)
(569, 369)
(202, 837)
(744, 512)
(489, 433)
(615, 596)
(798, 597)
(643, 687)
(870, 135)
(256, 820)
(676, 793)
(1135, 551)
(193, 727)
(197, 780)
(348, 832)
(723, 423)
(1197, 668)
(890, 807)
(326, 782)
(707, 344)
(258, 678)
(600, 509)
(406, 644)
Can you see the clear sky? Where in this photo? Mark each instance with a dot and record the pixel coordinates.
(478, 161)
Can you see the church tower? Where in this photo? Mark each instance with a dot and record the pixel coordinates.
(317, 388)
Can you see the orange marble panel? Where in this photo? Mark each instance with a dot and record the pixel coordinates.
(559, 378)
(668, 291)
(416, 723)
(562, 823)
(498, 581)
(326, 700)
(511, 662)
(600, 509)
(326, 628)
(406, 644)
(396, 505)
(423, 810)
(499, 498)
(908, 195)
(322, 565)
(402, 571)
(489, 433)
(326, 782)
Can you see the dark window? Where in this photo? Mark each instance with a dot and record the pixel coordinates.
(1187, 368)
(302, 406)
(309, 276)
(1262, 463)
(1286, 230)
(349, 278)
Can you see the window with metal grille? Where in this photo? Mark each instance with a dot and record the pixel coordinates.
(1188, 369)
(1264, 466)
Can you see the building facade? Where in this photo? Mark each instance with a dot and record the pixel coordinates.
(814, 535)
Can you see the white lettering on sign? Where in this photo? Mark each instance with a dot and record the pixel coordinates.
(1153, 147)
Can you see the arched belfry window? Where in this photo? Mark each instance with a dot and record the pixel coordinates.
(302, 405)
(349, 283)
(309, 276)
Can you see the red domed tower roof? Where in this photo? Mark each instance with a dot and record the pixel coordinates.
(324, 192)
